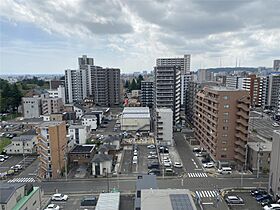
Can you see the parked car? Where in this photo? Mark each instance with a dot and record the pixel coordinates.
(275, 124)
(233, 199)
(2, 159)
(169, 172)
(59, 197)
(4, 156)
(16, 167)
(225, 170)
(267, 201)
(152, 156)
(178, 165)
(257, 192)
(208, 165)
(154, 171)
(89, 201)
(272, 206)
(152, 146)
(52, 207)
(153, 165)
(167, 164)
(261, 198)
(3, 175)
(153, 152)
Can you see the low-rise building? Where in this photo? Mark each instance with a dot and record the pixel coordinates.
(135, 93)
(165, 199)
(52, 105)
(274, 173)
(32, 107)
(81, 154)
(143, 182)
(164, 126)
(79, 133)
(101, 164)
(113, 140)
(79, 110)
(108, 201)
(135, 119)
(258, 156)
(23, 144)
(90, 120)
(19, 196)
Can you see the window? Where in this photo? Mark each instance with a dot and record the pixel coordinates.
(226, 97)
(138, 194)
(223, 156)
(224, 135)
(226, 121)
(225, 128)
(226, 106)
(225, 113)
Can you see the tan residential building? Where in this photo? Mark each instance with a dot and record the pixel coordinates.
(52, 105)
(221, 117)
(52, 146)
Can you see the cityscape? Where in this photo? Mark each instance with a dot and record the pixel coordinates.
(94, 118)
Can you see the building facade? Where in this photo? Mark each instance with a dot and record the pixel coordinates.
(276, 65)
(164, 126)
(58, 93)
(52, 148)
(79, 133)
(52, 105)
(221, 120)
(32, 107)
(147, 93)
(274, 173)
(168, 89)
(273, 91)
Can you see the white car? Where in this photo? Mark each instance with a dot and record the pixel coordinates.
(59, 197)
(52, 207)
(151, 146)
(272, 206)
(178, 165)
(275, 125)
(2, 159)
(208, 165)
(167, 164)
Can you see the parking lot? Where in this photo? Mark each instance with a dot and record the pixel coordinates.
(249, 202)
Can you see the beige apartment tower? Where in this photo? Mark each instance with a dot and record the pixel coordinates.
(52, 146)
(221, 117)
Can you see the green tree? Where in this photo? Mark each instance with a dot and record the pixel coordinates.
(139, 79)
(133, 85)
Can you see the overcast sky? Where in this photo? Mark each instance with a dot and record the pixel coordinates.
(47, 36)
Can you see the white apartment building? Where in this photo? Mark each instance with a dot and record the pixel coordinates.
(90, 120)
(58, 93)
(79, 133)
(24, 144)
(164, 126)
(184, 63)
(32, 107)
(274, 172)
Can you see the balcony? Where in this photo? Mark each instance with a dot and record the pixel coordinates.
(241, 136)
(243, 106)
(240, 150)
(242, 129)
(242, 121)
(243, 114)
(240, 143)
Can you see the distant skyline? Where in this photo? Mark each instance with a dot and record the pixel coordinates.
(47, 37)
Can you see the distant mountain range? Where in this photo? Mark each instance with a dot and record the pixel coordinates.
(230, 69)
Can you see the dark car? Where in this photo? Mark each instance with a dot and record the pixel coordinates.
(256, 192)
(89, 201)
(261, 198)
(153, 165)
(267, 201)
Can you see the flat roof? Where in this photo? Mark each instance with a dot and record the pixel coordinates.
(262, 146)
(108, 201)
(24, 199)
(50, 123)
(136, 110)
(146, 182)
(83, 148)
(77, 126)
(167, 199)
(167, 110)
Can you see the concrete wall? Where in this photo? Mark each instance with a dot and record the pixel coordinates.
(133, 124)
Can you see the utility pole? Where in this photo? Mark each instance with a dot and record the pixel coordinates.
(258, 161)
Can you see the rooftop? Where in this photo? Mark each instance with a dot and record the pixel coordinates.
(146, 182)
(262, 146)
(106, 147)
(23, 138)
(51, 123)
(169, 199)
(167, 110)
(222, 88)
(108, 201)
(98, 158)
(7, 190)
(83, 148)
(77, 126)
(136, 112)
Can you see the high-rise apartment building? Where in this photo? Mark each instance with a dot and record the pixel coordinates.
(59, 92)
(232, 81)
(221, 121)
(147, 93)
(52, 148)
(276, 65)
(184, 63)
(168, 89)
(256, 86)
(204, 75)
(193, 88)
(273, 91)
(164, 126)
(185, 79)
(106, 86)
(274, 172)
(103, 84)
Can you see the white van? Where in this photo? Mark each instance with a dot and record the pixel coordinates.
(225, 170)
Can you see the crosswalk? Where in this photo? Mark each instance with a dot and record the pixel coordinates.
(206, 193)
(197, 175)
(21, 180)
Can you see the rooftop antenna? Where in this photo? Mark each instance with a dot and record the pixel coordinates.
(236, 62)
